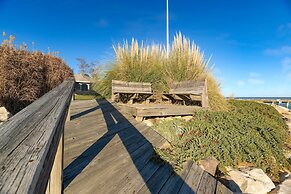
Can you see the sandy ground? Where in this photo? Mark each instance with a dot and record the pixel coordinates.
(287, 114)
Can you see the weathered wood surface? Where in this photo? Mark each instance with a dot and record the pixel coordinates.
(190, 91)
(187, 87)
(107, 151)
(131, 87)
(29, 142)
(132, 90)
(157, 110)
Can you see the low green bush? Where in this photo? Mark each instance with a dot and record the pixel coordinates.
(250, 132)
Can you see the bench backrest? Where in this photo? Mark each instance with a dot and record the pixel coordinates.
(131, 87)
(192, 87)
(188, 87)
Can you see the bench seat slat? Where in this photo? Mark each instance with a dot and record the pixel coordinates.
(123, 87)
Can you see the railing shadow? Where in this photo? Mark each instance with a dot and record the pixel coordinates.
(83, 113)
(108, 110)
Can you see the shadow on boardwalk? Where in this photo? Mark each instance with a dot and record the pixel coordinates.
(162, 180)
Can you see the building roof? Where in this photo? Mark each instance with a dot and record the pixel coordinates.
(84, 78)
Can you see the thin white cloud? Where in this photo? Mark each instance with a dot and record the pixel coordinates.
(256, 81)
(286, 62)
(254, 74)
(240, 83)
(289, 76)
(254, 78)
(284, 29)
(284, 50)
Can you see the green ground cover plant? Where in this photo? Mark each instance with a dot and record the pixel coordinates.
(249, 132)
(142, 63)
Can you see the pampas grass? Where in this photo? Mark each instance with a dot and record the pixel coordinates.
(149, 63)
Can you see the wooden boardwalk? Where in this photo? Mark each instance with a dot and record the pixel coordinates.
(108, 151)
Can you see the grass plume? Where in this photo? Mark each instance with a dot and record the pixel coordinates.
(149, 63)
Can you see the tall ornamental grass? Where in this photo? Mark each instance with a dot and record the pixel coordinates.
(143, 63)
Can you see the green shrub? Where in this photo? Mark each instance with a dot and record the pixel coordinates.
(250, 132)
(140, 63)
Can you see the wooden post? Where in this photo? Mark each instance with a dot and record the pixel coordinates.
(130, 101)
(147, 101)
(139, 118)
(54, 185)
(204, 102)
(113, 97)
(68, 115)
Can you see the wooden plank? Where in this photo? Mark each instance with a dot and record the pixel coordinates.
(130, 138)
(156, 182)
(196, 91)
(78, 148)
(176, 97)
(196, 97)
(130, 87)
(207, 183)
(105, 167)
(192, 180)
(126, 91)
(135, 182)
(133, 166)
(221, 189)
(167, 111)
(129, 109)
(141, 110)
(96, 132)
(28, 142)
(175, 182)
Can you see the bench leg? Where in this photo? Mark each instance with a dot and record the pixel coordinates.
(139, 118)
(130, 101)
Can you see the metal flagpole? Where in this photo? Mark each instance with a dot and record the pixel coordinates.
(168, 44)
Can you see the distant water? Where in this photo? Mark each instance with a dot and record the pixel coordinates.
(271, 98)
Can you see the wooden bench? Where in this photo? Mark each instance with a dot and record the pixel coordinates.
(187, 91)
(132, 90)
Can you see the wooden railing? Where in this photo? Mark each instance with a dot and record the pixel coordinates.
(31, 144)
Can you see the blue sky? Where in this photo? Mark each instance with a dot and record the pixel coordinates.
(249, 40)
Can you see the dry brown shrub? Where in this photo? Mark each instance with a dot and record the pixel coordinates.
(25, 76)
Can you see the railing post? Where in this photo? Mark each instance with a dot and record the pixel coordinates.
(54, 185)
(68, 115)
(69, 110)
